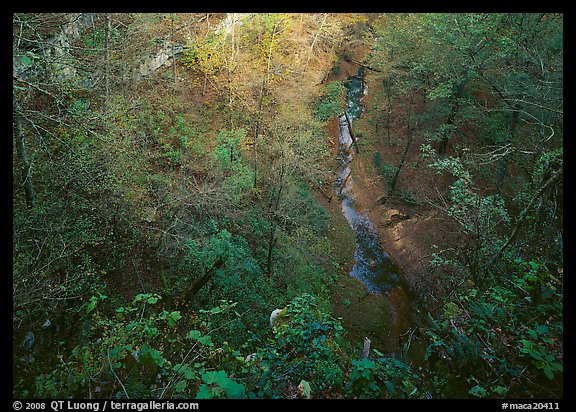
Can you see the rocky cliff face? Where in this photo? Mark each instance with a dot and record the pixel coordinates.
(54, 51)
(161, 58)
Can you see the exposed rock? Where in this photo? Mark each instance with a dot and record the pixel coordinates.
(161, 58)
(250, 358)
(231, 19)
(393, 216)
(396, 214)
(28, 341)
(278, 317)
(273, 316)
(56, 49)
(304, 390)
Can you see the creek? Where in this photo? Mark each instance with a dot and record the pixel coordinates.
(373, 266)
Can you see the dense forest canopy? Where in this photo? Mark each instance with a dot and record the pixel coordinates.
(175, 182)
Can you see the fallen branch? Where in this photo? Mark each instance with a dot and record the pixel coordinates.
(344, 182)
(351, 132)
(348, 59)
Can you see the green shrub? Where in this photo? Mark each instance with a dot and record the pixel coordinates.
(306, 346)
(331, 102)
(382, 378)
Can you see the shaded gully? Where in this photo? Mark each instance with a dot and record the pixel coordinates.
(373, 266)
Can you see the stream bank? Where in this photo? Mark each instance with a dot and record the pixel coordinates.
(408, 231)
(372, 296)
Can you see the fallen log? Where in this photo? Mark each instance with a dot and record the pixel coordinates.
(344, 182)
(351, 132)
(348, 59)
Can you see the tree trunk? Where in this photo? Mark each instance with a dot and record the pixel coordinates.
(203, 280)
(107, 68)
(504, 161)
(366, 348)
(540, 146)
(209, 57)
(263, 93)
(273, 224)
(205, 83)
(459, 93)
(314, 42)
(257, 130)
(394, 179)
(555, 178)
(388, 88)
(233, 40)
(173, 54)
(25, 163)
(229, 69)
(271, 243)
(230, 95)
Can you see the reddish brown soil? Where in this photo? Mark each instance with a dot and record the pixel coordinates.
(408, 230)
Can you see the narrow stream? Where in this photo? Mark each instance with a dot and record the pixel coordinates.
(373, 266)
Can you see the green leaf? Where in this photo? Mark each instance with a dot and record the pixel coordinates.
(186, 370)
(548, 372)
(140, 297)
(233, 389)
(305, 388)
(557, 366)
(180, 386)
(193, 334)
(204, 392)
(131, 325)
(174, 317)
(451, 309)
(214, 376)
(206, 340)
(500, 390)
(151, 356)
(390, 388)
(94, 300)
(536, 355)
(25, 60)
(146, 297)
(151, 330)
(478, 391)
(220, 382)
(119, 313)
(530, 278)
(153, 299)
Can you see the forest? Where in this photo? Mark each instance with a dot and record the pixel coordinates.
(287, 206)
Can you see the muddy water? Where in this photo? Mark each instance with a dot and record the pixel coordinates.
(373, 266)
